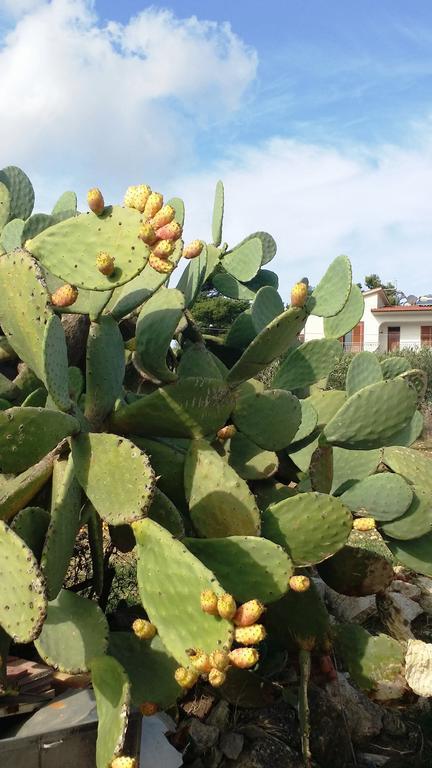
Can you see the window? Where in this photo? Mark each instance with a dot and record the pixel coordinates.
(393, 338)
(353, 341)
(426, 335)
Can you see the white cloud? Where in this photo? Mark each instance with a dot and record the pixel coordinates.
(16, 8)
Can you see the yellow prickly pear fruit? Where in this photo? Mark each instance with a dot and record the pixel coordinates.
(186, 677)
(147, 234)
(250, 635)
(140, 197)
(105, 263)
(124, 762)
(170, 231)
(153, 204)
(226, 606)
(95, 200)
(244, 658)
(149, 708)
(219, 660)
(201, 662)
(299, 294)
(165, 216)
(249, 613)
(216, 677)
(209, 602)
(299, 583)
(129, 198)
(193, 249)
(226, 433)
(364, 524)
(144, 629)
(163, 249)
(64, 296)
(160, 265)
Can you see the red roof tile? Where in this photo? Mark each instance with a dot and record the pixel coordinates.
(405, 308)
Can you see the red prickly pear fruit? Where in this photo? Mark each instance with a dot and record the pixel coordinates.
(160, 265)
(299, 583)
(201, 662)
(209, 602)
(193, 249)
(64, 296)
(153, 204)
(144, 629)
(185, 677)
(149, 708)
(95, 201)
(244, 658)
(364, 524)
(250, 635)
(249, 613)
(147, 234)
(216, 677)
(124, 762)
(170, 231)
(219, 660)
(165, 216)
(299, 295)
(163, 249)
(105, 263)
(226, 433)
(226, 606)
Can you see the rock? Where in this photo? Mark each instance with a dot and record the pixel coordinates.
(396, 613)
(418, 667)
(393, 724)
(363, 718)
(219, 716)
(267, 752)
(406, 588)
(330, 742)
(425, 598)
(351, 609)
(231, 744)
(203, 736)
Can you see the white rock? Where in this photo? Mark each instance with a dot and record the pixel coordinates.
(418, 667)
(425, 599)
(351, 609)
(405, 588)
(409, 608)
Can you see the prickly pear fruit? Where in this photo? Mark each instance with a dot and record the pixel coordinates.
(64, 296)
(170, 231)
(193, 249)
(149, 708)
(299, 583)
(219, 660)
(226, 433)
(186, 677)
(216, 677)
(147, 234)
(201, 662)
(163, 249)
(165, 216)
(105, 263)
(142, 194)
(299, 294)
(124, 762)
(129, 197)
(209, 602)
(153, 204)
(95, 200)
(364, 524)
(144, 629)
(226, 606)
(160, 265)
(250, 635)
(244, 658)
(249, 613)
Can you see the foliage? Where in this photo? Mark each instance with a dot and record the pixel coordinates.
(390, 290)
(215, 313)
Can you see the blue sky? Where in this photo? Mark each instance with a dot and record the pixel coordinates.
(316, 113)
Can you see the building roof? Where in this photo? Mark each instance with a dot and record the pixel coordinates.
(405, 308)
(379, 290)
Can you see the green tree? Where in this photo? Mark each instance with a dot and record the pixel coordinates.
(374, 281)
(217, 312)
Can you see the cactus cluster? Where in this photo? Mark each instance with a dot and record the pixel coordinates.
(230, 493)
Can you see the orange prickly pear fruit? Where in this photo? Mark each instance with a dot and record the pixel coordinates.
(219, 660)
(149, 708)
(95, 200)
(226, 606)
(249, 613)
(163, 249)
(299, 583)
(226, 433)
(124, 762)
(147, 234)
(160, 265)
(171, 231)
(299, 295)
(250, 635)
(244, 658)
(200, 661)
(209, 602)
(193, 249)
(153, 204)
(64, 296)
(186, 677)
(216, 677)
(129, 198)
(141, 195)
(144, 629)
(364, 524)
(105, 263)
(165, 216)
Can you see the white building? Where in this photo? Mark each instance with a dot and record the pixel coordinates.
(383, 327)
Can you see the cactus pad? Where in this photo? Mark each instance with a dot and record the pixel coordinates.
(357, 570)
(375, 663)
(66, 203)
(364, 369)
(112, 693)
(266, 306)
(308, 363)
(104, 370)
(350, 465)
(31, 525)
(417, 520)
(326, 404)
(385, 496)
(244, 261)
(332, 292)
(155, 328)
(4, 207)
(16, 492)
(270, 419)
(414, 554)
(20, 190)
(411, 464)
(309, 420)
(394, 366)
(168, 462)
(218, 211)
(11, 234)
(56, 364)
(338, 325)
(299, 618)
(164, 512)
(28, 434)
(249, 460)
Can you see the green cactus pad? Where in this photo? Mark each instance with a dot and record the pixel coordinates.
(20, 190)
(357, 571)
(308, 363)
(272, 342)
(115, 474)
(326, 404)
(417, 520)
(22, 588)
(69, 249)
(332, 292)
(372, 660)
(266, 306)
(309, 420)
(11, 234)
(88, 302)
(271, 492)
(111, 687)
(74, 632)
(384, 496)
(66, 202)
(364, 369)
(168, 463)
(244, 261)
(155, 328)
(220, 502)
(249, 460)
(337, 326)
(104, 370)
(350, 465)
(18, 491)
(149, 666)
(36, 224)
(173, 604)
(227, 285)
(95, 536)
(188, 408)
(270, 419)
(299, 618)
(268, 245)
(194, 276)
(394, 366)
(242, 331)
(36, 399)
(310, 526)
(166, 514)
(63, 527)
(248, 567)
(417, 378)
(4, 207)
(369, 418)
(409, 434)
(218, 212)
(197, 361)
(414, 554)
(28, 434)
(321, 468)
(411, 464)
(56, 364)
(301, 453)
(31, 525)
